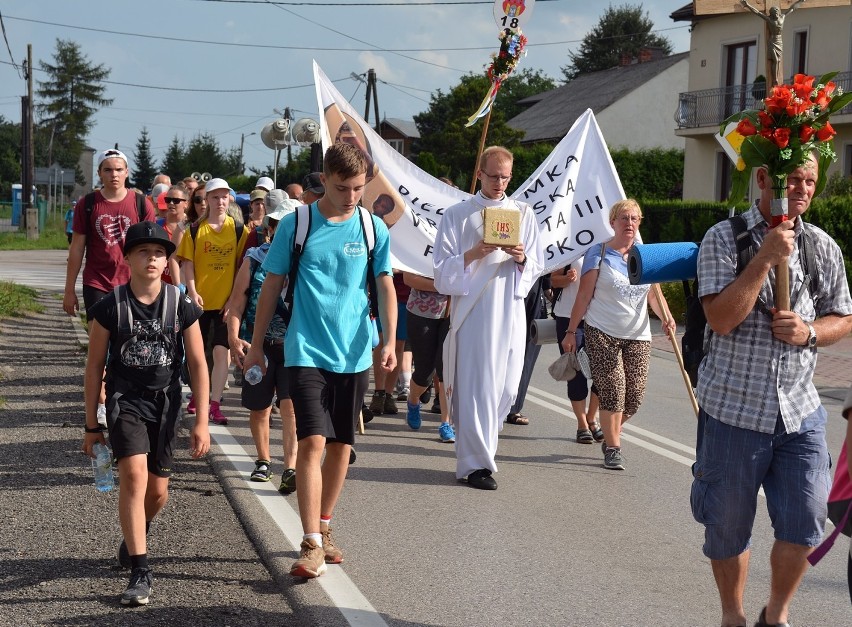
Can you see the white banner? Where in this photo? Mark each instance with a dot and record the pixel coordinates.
(571, 192)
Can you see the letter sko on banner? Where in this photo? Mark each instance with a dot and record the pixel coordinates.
(571, 192)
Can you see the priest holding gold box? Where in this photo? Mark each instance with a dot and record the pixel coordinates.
(487, 256)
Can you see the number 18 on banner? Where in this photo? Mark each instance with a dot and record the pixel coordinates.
(512, 14)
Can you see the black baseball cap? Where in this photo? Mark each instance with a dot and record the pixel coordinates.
(147, 233)
(313, 183)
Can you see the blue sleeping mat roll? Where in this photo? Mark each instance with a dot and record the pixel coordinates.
(661, 263)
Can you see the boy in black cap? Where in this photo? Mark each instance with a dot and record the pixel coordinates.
(145, 326)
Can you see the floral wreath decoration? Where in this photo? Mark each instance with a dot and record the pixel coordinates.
(503, 63)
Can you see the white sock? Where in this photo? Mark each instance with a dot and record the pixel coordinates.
(406, 379)
(316, 537)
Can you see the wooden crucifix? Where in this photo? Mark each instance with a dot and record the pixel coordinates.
(773, 13)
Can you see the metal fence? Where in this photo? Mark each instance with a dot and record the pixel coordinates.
(709, 107)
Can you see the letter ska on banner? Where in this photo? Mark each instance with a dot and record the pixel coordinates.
(571, 192)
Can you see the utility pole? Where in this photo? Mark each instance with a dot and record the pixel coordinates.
(30, 217)
(371, 91)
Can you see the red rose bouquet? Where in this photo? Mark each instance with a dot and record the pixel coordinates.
(781, 136)
(792, 123)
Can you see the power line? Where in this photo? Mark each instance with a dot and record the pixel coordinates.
(8, 47)
(362, 4)
(372, 48)
(205, 90)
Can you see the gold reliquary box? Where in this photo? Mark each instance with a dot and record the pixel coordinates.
(501, 226)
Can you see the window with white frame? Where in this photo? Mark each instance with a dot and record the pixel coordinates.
(800, 52)
(397, 144)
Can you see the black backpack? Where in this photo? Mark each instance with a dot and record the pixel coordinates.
(693, 343)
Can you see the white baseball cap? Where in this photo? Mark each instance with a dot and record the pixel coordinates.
(110, 153)
(214, 184)
(266, 183)
(288, 205)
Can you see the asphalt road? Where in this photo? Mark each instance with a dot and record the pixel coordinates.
(561, 542)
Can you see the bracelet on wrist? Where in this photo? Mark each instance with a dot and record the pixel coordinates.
(570, 332)
(98, 429)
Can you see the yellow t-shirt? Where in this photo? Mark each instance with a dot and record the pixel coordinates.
(215, 258)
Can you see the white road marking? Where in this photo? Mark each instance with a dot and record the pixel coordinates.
(561, 405)
(551, 401)
(345, 595)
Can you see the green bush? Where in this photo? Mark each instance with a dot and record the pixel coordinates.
(688, 221)
(650, 173)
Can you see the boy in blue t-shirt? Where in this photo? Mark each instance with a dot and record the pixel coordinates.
(328, 343)
(146, 326)
(69, 221)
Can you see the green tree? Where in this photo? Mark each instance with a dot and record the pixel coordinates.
(173, 161)
(10, 156)
(201, 154)
(144, 169)
(445, 140)
(69, 99)
(521, 85)
(625, 29)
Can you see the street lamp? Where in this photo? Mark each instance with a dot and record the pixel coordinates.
(242, 142)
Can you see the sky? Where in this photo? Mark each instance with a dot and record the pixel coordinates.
(184, 67)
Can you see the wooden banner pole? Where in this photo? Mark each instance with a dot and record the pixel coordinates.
(481, 148)
(659, 294)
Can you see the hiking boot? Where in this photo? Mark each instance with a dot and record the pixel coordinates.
(333, 555)
(311, 562)
(288, 481)
(403, 395)
(377, 404)
(426, 396)
(190, 407)
(613, 459)
(123, 555)
(216, 415)
(139, 589)
(261, 471)
(448, 435)
(413, 417)
(436, 406)
(390, 405)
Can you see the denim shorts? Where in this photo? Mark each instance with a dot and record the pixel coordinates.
(732, 463)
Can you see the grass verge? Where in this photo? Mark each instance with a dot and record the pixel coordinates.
(17, 300)
(51, 238)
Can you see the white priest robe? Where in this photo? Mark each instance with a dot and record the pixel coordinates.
(484, 350)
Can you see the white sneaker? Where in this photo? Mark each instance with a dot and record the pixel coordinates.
(102, 415)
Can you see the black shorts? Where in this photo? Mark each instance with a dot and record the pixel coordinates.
(327, 403)
(274, 382)
(214, 330)
(427, 337)
(154, 435)
(91, 295)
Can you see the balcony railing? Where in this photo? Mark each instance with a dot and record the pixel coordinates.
(709, 107)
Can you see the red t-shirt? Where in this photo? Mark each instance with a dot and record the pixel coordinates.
(402, 290)
(104, 228)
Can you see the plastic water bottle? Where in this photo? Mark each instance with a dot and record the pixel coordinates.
(254, 374)
(102, 468)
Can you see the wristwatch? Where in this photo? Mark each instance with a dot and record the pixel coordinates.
(812, 338)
